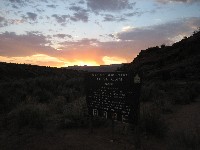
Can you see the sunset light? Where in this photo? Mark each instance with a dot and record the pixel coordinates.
(81, 63)
(90, 32)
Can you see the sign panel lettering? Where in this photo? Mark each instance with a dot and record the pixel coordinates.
(113, 95)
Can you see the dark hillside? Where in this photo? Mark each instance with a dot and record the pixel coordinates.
(170, 93)
(22, 84)
(181, 61)
(11, 71)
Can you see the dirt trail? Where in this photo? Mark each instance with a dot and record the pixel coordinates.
(184, 116)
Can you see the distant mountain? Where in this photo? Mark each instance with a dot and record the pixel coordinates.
(181, 61)
(101, 68)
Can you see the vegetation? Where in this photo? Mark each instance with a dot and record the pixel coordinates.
(38, 94)
(185, 139)
(177, 62)
(27, 115)
(152, 123)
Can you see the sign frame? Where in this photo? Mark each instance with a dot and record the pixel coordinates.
(113, 95)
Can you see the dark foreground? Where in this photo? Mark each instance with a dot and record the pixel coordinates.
(183, 128)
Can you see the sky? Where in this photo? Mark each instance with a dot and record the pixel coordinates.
(62, 33)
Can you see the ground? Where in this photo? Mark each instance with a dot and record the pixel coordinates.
(183, 117)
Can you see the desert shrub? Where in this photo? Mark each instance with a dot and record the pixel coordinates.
(28, 115)
(181, 96)
(152, 123)
(157, 93)
(188, 139)
(182, 93)
(3, 104)
(75, 114)
(145, 93)
(43, 95)
(57, 105)
(163, 104)
(99, 122)
(164, 94)
(149, 91)
(162, 101)
(193, 90)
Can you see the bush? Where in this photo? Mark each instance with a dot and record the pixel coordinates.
(193, 90)
(99, 122)
(28, 115)
(167, 93)
(43, 95)
(149, 91)
(75, 114)
(151, 122)
(157, 93)
(163, 104)
(184, 95)
(57, 105)
(145, 93)
(185, 140)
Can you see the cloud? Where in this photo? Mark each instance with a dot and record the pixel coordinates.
(89, 51)
(81, 2)
(93, 49)
(79, 16)
(2, 19)
(109, 5)
(109, 17)
(127, 28)
(13, 45)
(32, 48)
(16, 1)
(85, 42)
(51, 6)
(19, 3)
(111, 35)
(158, 34)
(76, 8)
(3, 22)
(113, 60)
(37, 59)
(14, 6)
(63, 35)
(62, 19)
(31, 16)
(125, 45)
(40, 10)
(15, 21)
(182, 1)
(6, 22)
(136, 13)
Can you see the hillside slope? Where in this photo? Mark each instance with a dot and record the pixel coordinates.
(177, 62)
(12, 71)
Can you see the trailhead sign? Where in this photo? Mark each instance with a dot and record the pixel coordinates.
(113, 95)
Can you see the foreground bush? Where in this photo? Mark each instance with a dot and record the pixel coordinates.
(185, 140)
(75, 114)
(57, 105)
(152, 123)
(178, 92)
(28, 115)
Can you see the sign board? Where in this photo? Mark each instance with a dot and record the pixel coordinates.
(113, 95)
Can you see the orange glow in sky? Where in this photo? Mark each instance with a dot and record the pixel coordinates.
(62, 33)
